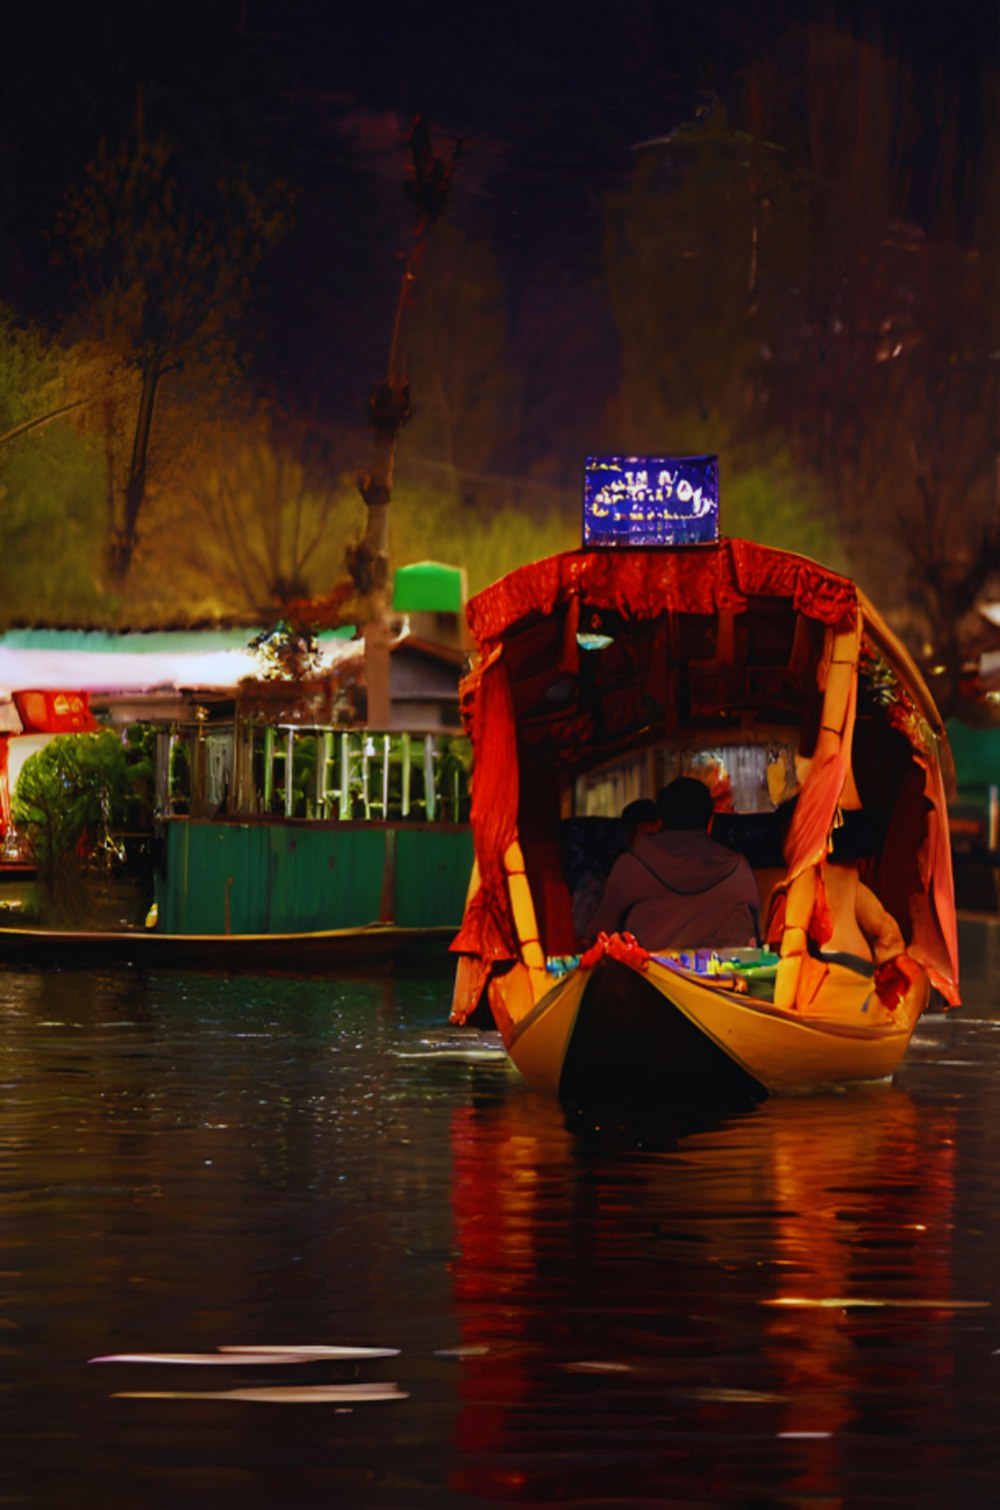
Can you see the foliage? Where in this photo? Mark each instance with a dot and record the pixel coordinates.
(453, 778)
(140, 769)
(778, 504)
(285, 653)
(67, 796)
(255, 518)
(180, 776)
(686, 296)
(50, 489)
(889, 390)
(436, 524)
(427, 185)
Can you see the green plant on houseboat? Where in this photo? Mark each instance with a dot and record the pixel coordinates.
(68, 798)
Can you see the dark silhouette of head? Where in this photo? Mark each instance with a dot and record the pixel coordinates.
(856, 837)
(685, 804)
(641, 814)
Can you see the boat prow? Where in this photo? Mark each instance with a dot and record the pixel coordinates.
(622, 1032)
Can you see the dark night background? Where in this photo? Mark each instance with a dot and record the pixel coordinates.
(527, 335)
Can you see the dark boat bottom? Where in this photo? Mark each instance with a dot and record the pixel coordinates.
(630, 1046)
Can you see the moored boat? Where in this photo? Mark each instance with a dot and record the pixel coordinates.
(603, 674)
(376, 944)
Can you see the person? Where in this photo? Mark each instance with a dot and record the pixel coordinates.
(679, 888)
(862, 928)
(864, 938)
(591, 871)
(639, 817)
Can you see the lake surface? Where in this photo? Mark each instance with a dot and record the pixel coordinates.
(796, 1306)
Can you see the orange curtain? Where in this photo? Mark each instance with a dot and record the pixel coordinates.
(488, 929)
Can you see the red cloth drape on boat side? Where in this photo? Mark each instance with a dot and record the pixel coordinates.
(917, 870)
(488, 932)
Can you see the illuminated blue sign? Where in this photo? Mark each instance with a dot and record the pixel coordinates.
(651, 500)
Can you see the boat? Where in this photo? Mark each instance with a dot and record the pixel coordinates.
(602, 674)
(275, 824)
(300, 953)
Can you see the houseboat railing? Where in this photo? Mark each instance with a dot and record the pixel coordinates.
(246, 769)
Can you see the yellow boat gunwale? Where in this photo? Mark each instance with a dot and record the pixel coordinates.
(760, 1037)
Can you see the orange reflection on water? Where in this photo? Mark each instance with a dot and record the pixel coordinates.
(743, 1300)
(864, 1240)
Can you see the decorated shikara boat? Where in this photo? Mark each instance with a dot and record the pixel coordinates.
(603, 674)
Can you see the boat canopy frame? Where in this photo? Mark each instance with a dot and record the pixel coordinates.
(698, 639)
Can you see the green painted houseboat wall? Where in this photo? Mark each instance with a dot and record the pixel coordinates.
(289, 877)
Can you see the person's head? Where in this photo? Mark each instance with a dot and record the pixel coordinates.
(640, 817)
(685, 804)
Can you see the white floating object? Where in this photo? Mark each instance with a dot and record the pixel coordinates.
(288, 1394)
(742, 1397)
(311, 1351)
(272, 1358)
(902, 1303)
(598, 1367)
(465, 1044)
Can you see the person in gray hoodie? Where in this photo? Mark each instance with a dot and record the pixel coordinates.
(679, 888)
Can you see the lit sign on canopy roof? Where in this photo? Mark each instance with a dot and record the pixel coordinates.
(651, 500)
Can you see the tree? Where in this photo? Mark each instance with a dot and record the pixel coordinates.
(50, 486)
(165, 259)
(67, 796)
(389, 404)
(942, 511)
(703, 253)
(889, 389)
(681, 261)
(257, 514)
(458, 360)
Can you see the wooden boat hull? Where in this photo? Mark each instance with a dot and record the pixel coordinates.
(285, 952)
(617, 1033)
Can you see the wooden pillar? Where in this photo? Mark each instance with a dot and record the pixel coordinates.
(268, 768)
(407, 754)
(289, 793)
(430, 794)
(376, 637)
(344, 799)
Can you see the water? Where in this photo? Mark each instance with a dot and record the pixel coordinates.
(795, 1306)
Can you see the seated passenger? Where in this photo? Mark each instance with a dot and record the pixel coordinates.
(678, 888)
(639, 817)
(590, 875)
(862, 929)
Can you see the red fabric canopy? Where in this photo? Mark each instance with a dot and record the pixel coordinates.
(643, 584)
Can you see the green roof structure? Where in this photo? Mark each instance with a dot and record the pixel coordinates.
(429, 587)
